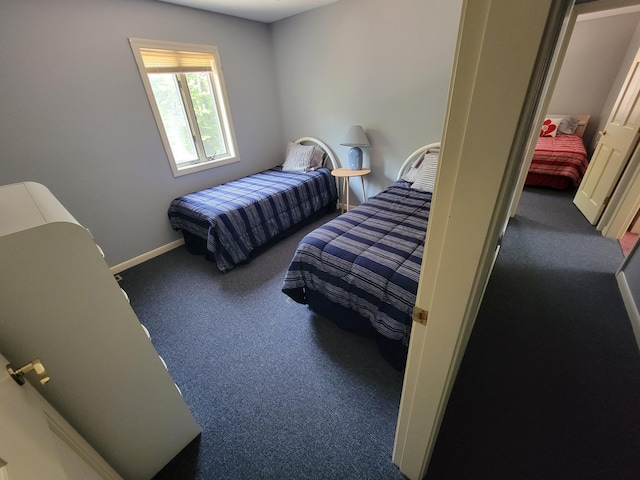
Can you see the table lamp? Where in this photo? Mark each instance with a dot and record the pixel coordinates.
(355, 139)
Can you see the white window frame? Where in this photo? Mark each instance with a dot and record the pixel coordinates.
(220, 99)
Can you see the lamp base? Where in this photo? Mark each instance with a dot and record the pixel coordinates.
(355, 158)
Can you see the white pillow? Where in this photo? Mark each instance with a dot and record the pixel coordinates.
(549, 127)
(566, 124)
(426, 178)
(411, 174)
(302, 158)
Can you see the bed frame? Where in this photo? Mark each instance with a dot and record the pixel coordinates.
(583, 121)
(329, 156)
(329, 160)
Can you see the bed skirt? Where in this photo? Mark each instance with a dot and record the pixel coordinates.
(549, 181)
(393, 351)
(198, 246)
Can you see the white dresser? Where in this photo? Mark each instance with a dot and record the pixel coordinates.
(60, 303)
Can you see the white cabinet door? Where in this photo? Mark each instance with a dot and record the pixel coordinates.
(61, 304)
(35, 442)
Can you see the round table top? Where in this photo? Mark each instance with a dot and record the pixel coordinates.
(347, 172)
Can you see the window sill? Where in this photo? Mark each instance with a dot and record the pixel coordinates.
(198, 167)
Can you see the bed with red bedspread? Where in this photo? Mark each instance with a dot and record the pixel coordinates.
(559, 160)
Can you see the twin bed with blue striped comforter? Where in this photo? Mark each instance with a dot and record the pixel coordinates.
(235, 219)
(361, 269)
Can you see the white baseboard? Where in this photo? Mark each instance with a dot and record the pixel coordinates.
(146, 256)
(630, 305)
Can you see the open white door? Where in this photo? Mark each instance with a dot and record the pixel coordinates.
(36, 442)
(477, 177)
(616, 144)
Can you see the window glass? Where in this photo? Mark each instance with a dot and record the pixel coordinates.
(167, 95)
(204, 107)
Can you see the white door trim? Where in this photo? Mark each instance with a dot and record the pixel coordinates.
(625, 201)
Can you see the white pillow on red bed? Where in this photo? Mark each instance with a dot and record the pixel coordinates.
(553, 125)
(568, 124)
(426, 177)
(549, 127)
(302, 158)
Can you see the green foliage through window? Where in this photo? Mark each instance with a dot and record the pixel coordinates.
(206, 113)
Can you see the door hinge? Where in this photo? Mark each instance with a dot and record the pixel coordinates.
(606, 200)
(420, 315)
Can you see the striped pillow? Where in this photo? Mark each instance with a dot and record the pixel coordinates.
(302, 158)
(426, 177)
(411, 175)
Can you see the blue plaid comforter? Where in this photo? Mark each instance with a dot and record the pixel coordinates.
(237, 217)
(368, 259)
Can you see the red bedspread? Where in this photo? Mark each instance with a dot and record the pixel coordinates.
(562, 155)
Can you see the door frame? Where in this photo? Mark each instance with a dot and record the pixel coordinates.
(625, 201)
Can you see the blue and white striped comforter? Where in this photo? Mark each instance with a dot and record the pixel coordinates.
(368, 259)
(237, 217)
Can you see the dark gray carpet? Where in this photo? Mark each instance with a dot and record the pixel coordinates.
(278, 392)
(549, 387)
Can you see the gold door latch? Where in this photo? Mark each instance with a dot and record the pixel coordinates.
(420, 315)
(36, 365)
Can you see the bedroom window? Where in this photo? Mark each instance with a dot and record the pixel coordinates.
(186, 91)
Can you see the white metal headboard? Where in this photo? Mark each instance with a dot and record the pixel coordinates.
(329, 155)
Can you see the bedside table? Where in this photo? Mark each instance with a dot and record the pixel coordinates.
(346, 174)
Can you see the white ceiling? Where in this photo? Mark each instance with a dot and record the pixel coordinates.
(266, 11)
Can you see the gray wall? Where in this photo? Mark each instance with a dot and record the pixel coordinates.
(594, 69)
(380, 64)
(74, 115)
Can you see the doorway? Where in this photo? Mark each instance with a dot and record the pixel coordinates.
(415, 421)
